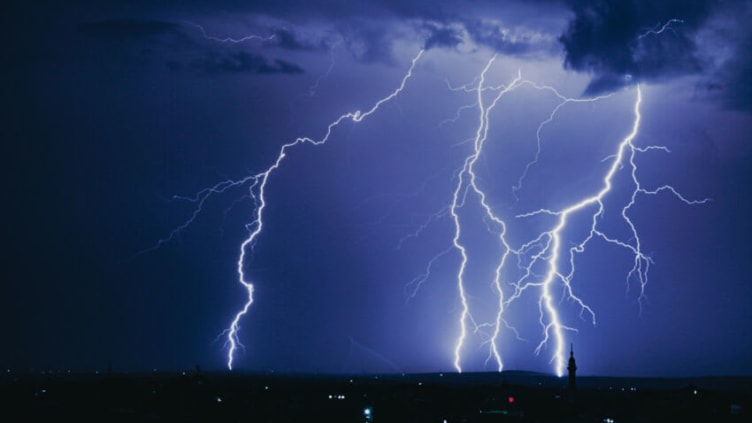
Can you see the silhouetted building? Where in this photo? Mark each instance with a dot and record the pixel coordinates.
(572, 367)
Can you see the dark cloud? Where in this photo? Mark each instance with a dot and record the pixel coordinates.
(501, 40)
(367, 26)
(441, 36)
(728, 47)
(128, 28)
(118, 42)
(621, 42)
(244, 62)
(368, 43)
(288, 40)
(737, 92)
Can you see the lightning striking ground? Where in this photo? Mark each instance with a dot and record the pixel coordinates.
(467, 180)
(546, 249)
(257, 191)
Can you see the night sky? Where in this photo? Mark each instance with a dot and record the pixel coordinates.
(119, 115)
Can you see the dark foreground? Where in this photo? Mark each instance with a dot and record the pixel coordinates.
(436, 398)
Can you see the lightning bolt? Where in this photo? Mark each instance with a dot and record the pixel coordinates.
(660, 29)
(467, 180)
(231, 40)
(315, 86)
(257, 189)
(553, 250)
(546, 250)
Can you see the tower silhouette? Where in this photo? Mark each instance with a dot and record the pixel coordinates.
(572, 367)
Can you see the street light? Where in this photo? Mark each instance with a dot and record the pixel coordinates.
(368, 414)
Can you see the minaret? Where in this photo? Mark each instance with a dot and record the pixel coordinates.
(572, 367)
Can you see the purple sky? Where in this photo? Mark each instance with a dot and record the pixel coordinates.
(118, 114)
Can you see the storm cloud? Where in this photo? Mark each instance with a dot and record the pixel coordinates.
(244, 62)
(625, 42)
